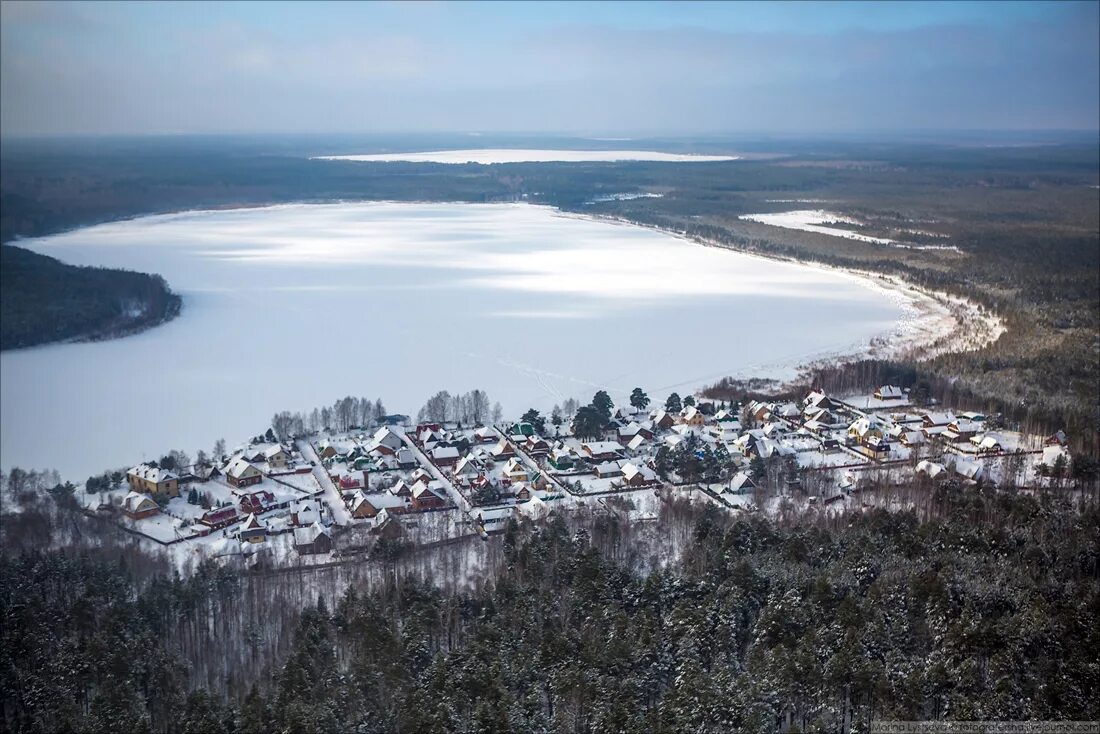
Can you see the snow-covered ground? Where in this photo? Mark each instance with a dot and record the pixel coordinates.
(521, 155)
(293, 306)
(825, 222)
(624, 197)
(816, 220)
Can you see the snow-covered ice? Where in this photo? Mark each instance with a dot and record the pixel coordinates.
(524, 155)
(294, 306)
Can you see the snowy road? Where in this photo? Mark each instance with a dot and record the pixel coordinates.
(458, 500)
(340, 513)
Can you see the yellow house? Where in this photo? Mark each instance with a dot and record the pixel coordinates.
(146, 478)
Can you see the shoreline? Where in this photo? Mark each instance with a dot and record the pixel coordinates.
(937, 322)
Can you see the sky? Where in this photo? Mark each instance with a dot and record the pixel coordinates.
(663, 68)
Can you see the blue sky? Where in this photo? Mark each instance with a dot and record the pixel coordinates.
(652, 67)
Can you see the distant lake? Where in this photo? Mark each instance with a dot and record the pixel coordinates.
(527, 155)
(291, 307)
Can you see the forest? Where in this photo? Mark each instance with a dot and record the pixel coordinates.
(973, 605)
(44, 300)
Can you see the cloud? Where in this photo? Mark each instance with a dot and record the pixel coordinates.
(438, 68)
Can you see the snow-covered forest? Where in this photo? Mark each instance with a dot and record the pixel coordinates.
(983, 607)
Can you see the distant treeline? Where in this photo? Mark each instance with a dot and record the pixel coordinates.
(44, 300)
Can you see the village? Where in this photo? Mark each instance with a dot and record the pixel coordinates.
(312, 498)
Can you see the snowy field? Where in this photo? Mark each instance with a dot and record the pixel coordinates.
(815, 220)
(520, 155)
(291, 307)
(824, 222)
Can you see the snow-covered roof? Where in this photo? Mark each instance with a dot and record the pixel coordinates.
(969, 469)
(912, 437)
(238, 468)
(631, 470)
(939, 418)
(309, 534)
(930, 468)
(739, 481)
(152, 474)
(135, 501)
(609, 467)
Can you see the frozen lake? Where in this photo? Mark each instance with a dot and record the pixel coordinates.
(291, 307)
(528, 155)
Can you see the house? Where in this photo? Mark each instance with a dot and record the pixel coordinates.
(637, 442)
(788, 411)
(561, 458)
(726, 416)
(536, 446)
(970, 470)
(277, 457)
(962, 430)
(257, 502)
(402, 489)
(467, 467)
(521, 429)
(503, 450)
(241, 473)
(385, 440)
(692, 416)
(219, 517)
(154, 480)
(428, 497)
(137, 506)
(405, 458)
(514, 471)
(305, 512)
(485, 434)
(253, 530)
(609, 469)
(312, 539)
(990, 443)
(1058, 438)
(868, 433)
(937, 420)
(429, 436)
(602, 450)
(445, 455)
(740, 483)
(663, 420)
(369, 505)
(931, 469)
(206, 472)
(760, 412)
(766, 448)
(889, 392)
(327, 449)
(638, 476)
(352, 481)
(911, 439)
(818, 400)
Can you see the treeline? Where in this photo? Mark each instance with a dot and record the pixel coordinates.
(345, 414)
(43, 300)
(469, 409)
(986, 611)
